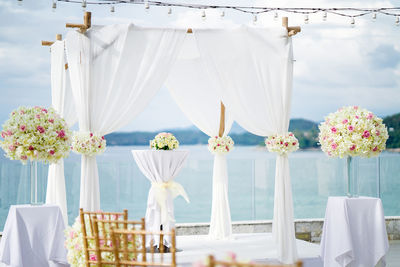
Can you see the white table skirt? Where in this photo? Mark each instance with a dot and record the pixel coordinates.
(161, 167)
(354, 232)
(33, 236)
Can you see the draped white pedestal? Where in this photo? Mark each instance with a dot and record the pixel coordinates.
(161, 167)
(33, 237)
(354, 232)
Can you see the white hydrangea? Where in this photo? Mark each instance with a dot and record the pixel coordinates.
(35, 133)
(87, 143)
(218, 144)
(282, 144)
(352, 131)
(164, 141)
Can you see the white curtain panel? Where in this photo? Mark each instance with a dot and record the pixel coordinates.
(196, 94)
(253, 67)
(63, 102)
(115, 71)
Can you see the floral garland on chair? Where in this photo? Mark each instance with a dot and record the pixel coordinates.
(352, 131)
(282, 144)
(222, 144)
(88, 143)
(164, 141)
(35, 133)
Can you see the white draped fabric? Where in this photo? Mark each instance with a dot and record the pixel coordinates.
(62, 101)
(161, 167)
(115, 71)
(201, 104)
(253, 67)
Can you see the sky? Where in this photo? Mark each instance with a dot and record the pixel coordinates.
(336, 64)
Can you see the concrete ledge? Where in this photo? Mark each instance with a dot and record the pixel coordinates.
(306, 229)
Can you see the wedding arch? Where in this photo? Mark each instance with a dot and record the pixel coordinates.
(239, 73)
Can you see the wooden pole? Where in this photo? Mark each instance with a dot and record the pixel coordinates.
(49, 43)
(291, 30)
(222, 121)
(87, 23)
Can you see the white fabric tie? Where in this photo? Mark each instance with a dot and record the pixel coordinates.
(162, 189)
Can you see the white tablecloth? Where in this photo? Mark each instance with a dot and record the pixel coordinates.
(354, 232)
(161, 167)
(33, 236)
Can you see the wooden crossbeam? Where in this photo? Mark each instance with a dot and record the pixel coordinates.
(49, 43)
(87, 23)
(291, 30)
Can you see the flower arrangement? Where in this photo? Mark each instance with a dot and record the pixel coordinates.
(88, 144)
(222, 144)
(164, 141)
(282, 144)
(35, 133)
(352, 131)
(74, 242)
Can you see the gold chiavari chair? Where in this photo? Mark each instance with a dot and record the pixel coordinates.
(128, 255)
(87, 224)
(212, 262)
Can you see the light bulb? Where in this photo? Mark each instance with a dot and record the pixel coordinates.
(276, 16)
(112, 9)
(255, 19)
(146, 6)
(352, 22)
(222, 14)
(84, 5)
(374, 17)
(324, 16)
(203, 15)
(54, 6)
(397, 21)
(19, 2)
(306, 19)
(169, 11)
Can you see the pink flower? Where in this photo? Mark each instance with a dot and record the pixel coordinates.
(51, 120)
(286, 144)
(357, 117)
(232, 256)
(22, 112)
(60, 134)
(22, 127)
(334, 146)
(91, 134)
(102, 137)
(93, 257)
(345, 121)
(31, 148)
(11, 147)
(3, 135)
(217, 144)
(23, 157)
(333, 130)
(44, 110)
(355, 107)
(77, 247)
(352, 147)
(9, 133)
(290, 134)
(227, 148)
(370, 116)
(351, 128)
(294, 143)
(40, 129)
(71, 234)
(37, 116)
(51, 152)
(268, 142)
(366, 134)
(375, 149)
(377, 132)
(281, 142)
(102, 242)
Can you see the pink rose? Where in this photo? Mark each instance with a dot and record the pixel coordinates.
(333, 130)
(31, 148)
(11, 147)
(3, 135)
(377, 132)
(357, 117)
(352, 147)
(22, 112)
(294, 143)
(91, 135)
(51, 120)
(334, 146)
(268, 142)
(375, 149)
(102, 137)
(217, 144)
(51, 152)
(60, 134)
(351, 128)
(22, 127)
(345, 121)
(370, 116)
(71, 234)
(93, 257)
(102, 242)
(9, 133)
(281, 142)
(37, 116)
(290, 134)
(23, 157)
(44, 110)
(286, 144)
(355, 107)
(40, 129)
(366, 134)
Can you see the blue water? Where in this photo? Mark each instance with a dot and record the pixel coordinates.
(314, 178)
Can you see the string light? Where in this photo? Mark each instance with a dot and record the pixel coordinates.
(169, 11)
(54, 5)
(255, 19)
(306, 19)
(276, 16)
(146, 6)
(374, 17)
(324, 16)
(84, 5)
(397, 21)
(19, 2)
(203, 15)
(222, 14)
(352, 22)
(112, 9)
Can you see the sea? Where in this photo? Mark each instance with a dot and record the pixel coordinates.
(251, 170)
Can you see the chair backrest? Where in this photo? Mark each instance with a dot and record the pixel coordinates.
(87, 224)
(212, 262)
(135, 255)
